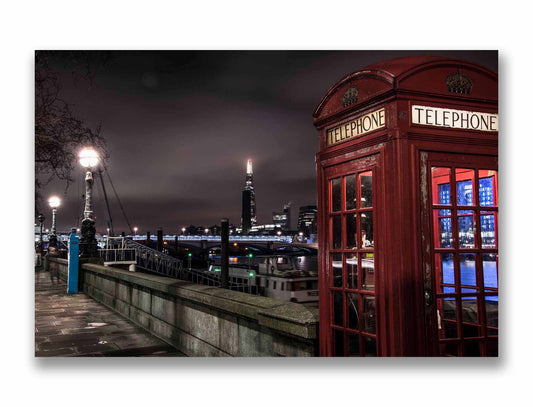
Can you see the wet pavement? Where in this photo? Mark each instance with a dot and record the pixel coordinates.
(77, 325)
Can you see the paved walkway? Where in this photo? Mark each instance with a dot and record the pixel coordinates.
(77, 325)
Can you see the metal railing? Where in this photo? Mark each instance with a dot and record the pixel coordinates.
(121, 250)
(210, 279)
(121, 255)
(153, 260)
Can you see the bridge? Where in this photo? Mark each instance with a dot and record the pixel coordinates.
(63, 237)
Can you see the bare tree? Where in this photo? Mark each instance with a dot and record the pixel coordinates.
(59, 134)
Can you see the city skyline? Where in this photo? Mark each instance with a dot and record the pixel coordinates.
(180, 127)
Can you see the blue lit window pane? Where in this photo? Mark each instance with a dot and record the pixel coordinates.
(464, 192)
(490, 271)
(488, 231)
(444, 237)
(467, 267)
(486, 191)
(448, 276)
(444, 194)
(466, 231)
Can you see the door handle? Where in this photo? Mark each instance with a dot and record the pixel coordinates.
(428, 297)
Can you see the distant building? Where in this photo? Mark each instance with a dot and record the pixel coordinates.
(307, 220)
(249, 217)
(283, 219)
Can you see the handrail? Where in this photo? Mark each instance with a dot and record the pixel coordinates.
(154, 260)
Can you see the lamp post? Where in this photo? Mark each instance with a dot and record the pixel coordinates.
(54, 203)
(41, 219)
(135, 229)
(88, 246)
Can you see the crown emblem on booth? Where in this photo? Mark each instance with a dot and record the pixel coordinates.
(350, 96)
(458, 82)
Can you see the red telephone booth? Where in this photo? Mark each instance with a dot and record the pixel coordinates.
(407, 174)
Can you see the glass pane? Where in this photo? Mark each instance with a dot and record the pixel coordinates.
(351, 231)
(353, 345)
(336, 194)
(443, 232)
(445, 269)
(448, 306)
(336, 266)
(338, 314)
(472, 349)
(488, 230)
(367, 230)
(464, 178)
(490, 270)
(450, 349)
(492, 348)
(336, 234)
(366, 189)
(487, 188)
(351, 266)
(370, 347)
(467, 269)
(492, 331)
(470, 311)
(465, 221)
(350, 192)
(338, 340)
(367, 265)
(369, 314)
(491, 307)
(352, 302)
(441, 185)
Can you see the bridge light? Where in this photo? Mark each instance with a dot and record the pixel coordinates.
(251, 274)
(250, 255)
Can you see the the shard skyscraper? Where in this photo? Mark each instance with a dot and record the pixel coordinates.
(249, 218)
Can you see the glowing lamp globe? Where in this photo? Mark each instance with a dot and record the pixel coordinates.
(88, 158)
(54, 202)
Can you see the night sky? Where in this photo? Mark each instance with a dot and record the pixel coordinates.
(180, 126)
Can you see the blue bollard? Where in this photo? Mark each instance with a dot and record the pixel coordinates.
(73, 261)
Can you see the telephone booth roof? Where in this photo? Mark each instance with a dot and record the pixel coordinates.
(412, 76)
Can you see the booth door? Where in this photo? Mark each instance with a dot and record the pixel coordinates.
(350, 274)
(460, 241)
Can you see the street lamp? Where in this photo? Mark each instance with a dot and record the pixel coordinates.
(54, 203)
(88, 247)
(135, 231)
(206, 231)
(183, 231)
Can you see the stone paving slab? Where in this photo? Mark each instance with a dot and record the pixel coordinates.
(77, 325)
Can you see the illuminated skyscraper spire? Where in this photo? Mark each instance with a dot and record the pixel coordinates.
(249, 218)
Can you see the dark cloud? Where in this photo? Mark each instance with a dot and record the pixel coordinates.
(181, 125)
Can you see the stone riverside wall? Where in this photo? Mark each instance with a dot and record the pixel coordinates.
(62, 265)
(201, 320)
